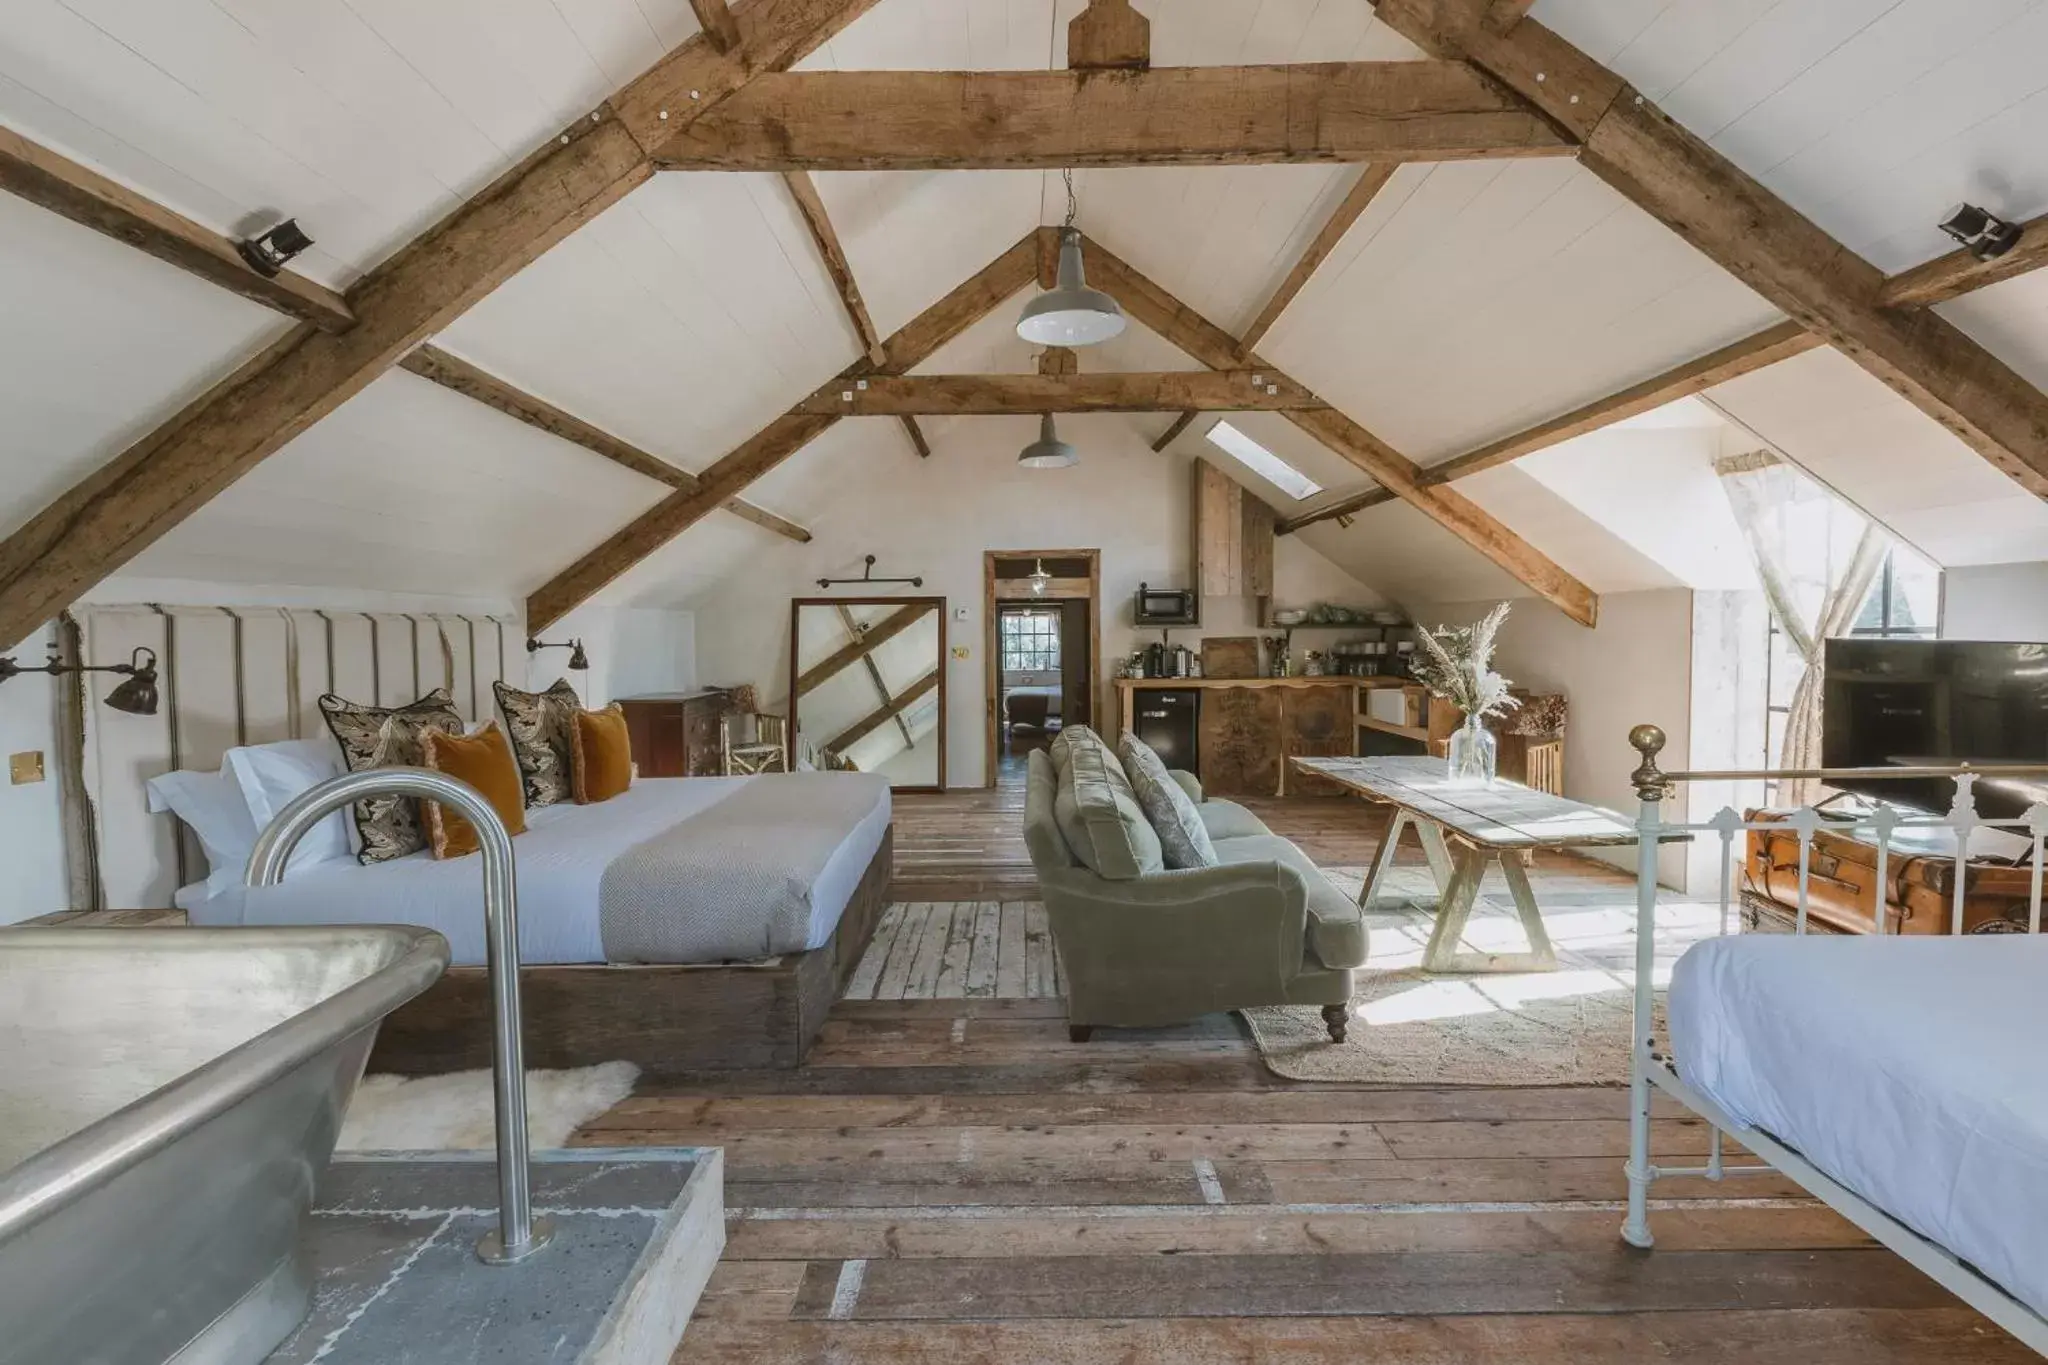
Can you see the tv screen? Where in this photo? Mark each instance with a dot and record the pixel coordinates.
(1892, 703)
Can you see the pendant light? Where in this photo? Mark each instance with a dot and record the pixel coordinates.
(1070, 314)
(1040, 580)
(1048, 451)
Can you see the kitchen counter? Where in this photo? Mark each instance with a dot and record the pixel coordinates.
(1246, 728)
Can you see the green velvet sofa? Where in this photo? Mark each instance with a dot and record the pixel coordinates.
(1142, 945)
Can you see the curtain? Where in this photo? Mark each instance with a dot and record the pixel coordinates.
(1757, 485)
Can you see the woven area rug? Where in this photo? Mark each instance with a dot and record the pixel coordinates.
(1409, 1028)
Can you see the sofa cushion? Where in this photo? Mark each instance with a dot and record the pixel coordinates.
(1228, 820)
(1183, 838)
(1100, 817)
(1336, 932)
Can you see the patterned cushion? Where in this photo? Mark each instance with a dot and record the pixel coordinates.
(1101, 819)
(388, 827)
(1183, 838)
(542, 728)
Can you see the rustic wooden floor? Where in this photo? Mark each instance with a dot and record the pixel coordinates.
(950, 1181)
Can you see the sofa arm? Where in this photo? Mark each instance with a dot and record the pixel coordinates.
(1175, 944)
(1189, 783)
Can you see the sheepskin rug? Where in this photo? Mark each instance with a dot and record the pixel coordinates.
(453, 1113)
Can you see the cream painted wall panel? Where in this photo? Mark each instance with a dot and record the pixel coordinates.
(936, 517)
(31, 821)
(1497, 294)
(141, 860)
(1882, 454)
(263, 678)
(406, 488)
(353, 659)
(102, 343)
(2011, 319)
(682, 319)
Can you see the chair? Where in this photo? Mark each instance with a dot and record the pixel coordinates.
(750, 740)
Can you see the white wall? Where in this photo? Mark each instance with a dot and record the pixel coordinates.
(633, 651)
(1996, 602)
(936, 517)
(31, 816)
(1635, 666)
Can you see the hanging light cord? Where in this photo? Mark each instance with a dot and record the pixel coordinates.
(1073, 205)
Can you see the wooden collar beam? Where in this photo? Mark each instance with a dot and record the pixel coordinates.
(459, 376)
(984, 395)
(1463, 518)
(988, 288)
(122, 508)
(883, 714)
(1166, 116)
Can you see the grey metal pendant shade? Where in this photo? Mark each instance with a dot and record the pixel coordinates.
(1070, 314)
(1048, 451)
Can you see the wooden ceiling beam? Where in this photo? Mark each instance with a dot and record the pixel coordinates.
(1173, 430)
(984, 395)
(972, 300)
(1655, 162)
(715, 18)
(123, 507)
(459, 376)
(1216, 348)
(1109, 35)
(1959, 272)
(1167, 116)
(862, 645)
(55, 182)
(1340, 511)
(883, 714)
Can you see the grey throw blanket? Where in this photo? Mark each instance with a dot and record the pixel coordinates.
(733, 881)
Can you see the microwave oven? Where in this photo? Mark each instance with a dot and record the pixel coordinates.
(1166, 606)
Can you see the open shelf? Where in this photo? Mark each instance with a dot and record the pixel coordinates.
(1387, 727)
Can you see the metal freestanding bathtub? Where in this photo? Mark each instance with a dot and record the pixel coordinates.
(168, 1097)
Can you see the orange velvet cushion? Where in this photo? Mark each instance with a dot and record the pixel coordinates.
(483, 760)
(601, 757)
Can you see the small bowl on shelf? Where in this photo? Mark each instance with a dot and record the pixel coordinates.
(1293, 616)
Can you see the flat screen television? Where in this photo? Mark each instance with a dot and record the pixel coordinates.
(1888, 703)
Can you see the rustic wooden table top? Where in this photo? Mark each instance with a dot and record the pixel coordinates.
(1501, 815)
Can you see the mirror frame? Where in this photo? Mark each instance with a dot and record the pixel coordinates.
(938, 605)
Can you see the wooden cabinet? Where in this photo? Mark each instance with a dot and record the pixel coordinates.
(1316, 722)
(1233, 537)
(675, 734)
(1240, 741)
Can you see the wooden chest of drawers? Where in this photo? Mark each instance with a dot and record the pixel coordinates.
(674, 734)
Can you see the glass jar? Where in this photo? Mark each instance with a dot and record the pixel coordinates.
(1474, 754)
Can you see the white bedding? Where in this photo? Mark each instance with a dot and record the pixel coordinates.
(559, 860)
(1911, 1070)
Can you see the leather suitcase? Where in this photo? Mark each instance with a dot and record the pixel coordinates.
(1842, 892)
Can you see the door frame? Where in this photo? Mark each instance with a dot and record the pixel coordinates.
(992, 654)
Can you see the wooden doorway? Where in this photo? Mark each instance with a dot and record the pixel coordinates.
(1056, 622)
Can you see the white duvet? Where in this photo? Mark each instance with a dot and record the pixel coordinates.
(559, 862)
(1912, 1070)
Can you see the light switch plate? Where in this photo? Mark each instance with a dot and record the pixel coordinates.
(960, 614)
(24, 768)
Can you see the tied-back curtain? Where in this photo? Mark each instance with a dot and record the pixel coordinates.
(1757, 485)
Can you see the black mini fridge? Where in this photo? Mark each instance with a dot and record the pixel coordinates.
(1168, 720)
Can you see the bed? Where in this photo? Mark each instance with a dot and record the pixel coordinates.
(1910, 1070)
(1035, 706)
(1897, 1078)
(726, 951)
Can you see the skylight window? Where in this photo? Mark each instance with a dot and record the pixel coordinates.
(1263, 462)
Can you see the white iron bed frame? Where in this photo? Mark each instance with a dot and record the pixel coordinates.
(1653, 1070)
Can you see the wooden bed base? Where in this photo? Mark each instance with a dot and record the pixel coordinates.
(662, 1018)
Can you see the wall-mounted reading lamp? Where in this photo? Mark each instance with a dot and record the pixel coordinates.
(578, 660)
(136, 693)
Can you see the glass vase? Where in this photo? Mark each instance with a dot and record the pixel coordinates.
(1474, 753)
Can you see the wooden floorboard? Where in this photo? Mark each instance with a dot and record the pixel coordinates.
(952, 1180)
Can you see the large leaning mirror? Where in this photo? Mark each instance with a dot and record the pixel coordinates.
(867, 686)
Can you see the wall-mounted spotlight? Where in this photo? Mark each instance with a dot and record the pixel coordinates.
(1985, 234)
(272, 251)
(136, 693)
(578, 660)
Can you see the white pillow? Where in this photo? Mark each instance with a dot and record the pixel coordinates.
(272, 776)
(211, 805)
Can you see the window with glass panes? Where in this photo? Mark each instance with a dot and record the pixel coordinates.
(1031, 641)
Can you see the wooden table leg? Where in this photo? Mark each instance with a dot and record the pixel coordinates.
(1382, 860)
(1455, 911)
(1441, 863)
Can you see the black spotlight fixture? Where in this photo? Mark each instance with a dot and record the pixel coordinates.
(136, 693)
(269, 253)
(1984, 233)
(578, 660)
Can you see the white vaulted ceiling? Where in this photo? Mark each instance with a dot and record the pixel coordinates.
(1471, 299)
